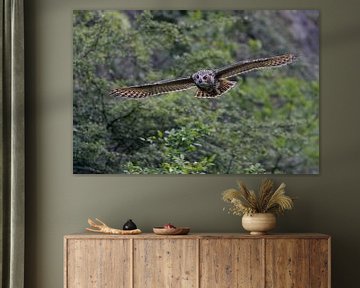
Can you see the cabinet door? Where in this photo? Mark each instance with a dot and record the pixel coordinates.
(287, 263)
(231, 263)
(320, 263)
(98, 263)
(165, 263)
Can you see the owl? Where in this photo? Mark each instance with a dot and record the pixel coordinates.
(209, 83)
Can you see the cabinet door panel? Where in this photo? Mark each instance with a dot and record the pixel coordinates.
(98, 263)
(287, 263)
(319, 263)
(231, 263)
(166, 263)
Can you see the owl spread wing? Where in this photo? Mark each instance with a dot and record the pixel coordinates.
(246, 66)
(157, 88)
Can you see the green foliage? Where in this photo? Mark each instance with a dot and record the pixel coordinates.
(89, 150)
(269, 123)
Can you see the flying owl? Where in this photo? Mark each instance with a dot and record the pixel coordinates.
(209, 83)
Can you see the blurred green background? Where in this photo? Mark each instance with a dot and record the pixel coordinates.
(269, 123)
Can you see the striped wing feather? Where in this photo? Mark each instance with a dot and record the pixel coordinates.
(142, 91)
(246, 66)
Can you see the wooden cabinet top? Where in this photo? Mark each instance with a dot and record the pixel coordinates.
(199, 236)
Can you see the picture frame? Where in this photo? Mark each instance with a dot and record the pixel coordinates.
(138, 109)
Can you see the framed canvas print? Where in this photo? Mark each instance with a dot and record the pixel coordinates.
(195, 92)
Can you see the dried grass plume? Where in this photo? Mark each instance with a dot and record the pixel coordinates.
(267, 200)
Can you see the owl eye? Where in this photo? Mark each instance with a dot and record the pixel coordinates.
(197, 76)
(205, 77)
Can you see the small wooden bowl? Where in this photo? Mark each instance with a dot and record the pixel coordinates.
(171, 231)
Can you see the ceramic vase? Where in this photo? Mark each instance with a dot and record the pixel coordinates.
(259, 223)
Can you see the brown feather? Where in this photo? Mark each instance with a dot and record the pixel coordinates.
(246, 66)
(142, 91)
(224, 86)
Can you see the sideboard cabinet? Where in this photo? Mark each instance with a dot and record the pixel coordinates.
(197, 261)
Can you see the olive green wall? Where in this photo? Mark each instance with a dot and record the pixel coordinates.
(59, 202)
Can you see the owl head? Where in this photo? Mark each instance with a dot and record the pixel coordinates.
(204, 78)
